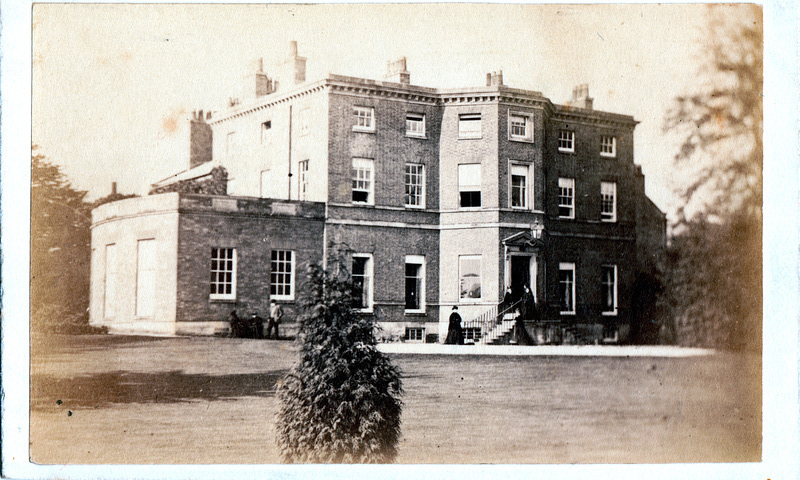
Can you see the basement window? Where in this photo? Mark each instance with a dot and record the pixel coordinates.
(415, 334)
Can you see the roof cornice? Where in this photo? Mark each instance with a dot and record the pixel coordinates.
(270, 101)
(345, 85)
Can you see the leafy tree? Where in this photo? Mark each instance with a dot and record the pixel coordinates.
(714, 284)
(342, 401)
(713, 279)
(60, 247)
(721, 123)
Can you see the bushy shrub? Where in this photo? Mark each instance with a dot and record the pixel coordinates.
(342, 402)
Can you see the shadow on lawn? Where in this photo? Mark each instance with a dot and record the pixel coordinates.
(108, 388)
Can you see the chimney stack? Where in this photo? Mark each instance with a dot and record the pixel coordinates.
(264, 84)
(113, 188)
(494, 78)
(396, 72)
(296, 65)
(200, 137)
(580, 97)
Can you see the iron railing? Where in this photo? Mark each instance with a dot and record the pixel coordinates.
(488, 325)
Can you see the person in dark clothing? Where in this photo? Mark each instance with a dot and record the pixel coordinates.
(235, 325)
(528, 313)
(528, 304)
(455, 336)
(521, 333)
(256, 326)
(508, 298)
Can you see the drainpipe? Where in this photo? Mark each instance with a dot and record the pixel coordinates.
(325, 239)
(289, 195)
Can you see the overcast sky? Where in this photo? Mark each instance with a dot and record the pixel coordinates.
(113, 84)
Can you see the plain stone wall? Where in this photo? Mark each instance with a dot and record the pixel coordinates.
(123, 224)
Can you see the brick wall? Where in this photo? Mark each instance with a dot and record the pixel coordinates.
(522, 152)
(388, 146)
(254, 227)
(389, 246)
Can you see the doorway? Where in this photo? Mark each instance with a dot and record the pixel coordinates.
(520, 274)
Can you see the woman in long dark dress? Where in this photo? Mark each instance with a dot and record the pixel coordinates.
(528, 312)
(455, 336)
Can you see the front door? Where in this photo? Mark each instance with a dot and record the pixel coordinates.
(520, 274)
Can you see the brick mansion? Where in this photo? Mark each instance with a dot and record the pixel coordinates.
(434, 198)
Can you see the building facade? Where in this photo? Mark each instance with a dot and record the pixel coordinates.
(434, 198)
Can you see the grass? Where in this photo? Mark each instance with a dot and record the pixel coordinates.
(108, 399)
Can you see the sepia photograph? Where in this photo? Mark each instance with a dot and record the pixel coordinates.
(439, 234)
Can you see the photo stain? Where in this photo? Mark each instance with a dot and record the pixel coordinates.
(59, 402)
(69, 413)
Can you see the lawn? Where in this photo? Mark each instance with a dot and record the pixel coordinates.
(112, 399)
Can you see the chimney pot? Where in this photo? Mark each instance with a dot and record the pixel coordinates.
(396, 71)
(494, 78)
(580, 97)
(296, 67)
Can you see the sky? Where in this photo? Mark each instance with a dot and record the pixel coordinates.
(113, 85)
(110, 85)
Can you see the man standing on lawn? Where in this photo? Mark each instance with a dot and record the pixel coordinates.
(275, 315)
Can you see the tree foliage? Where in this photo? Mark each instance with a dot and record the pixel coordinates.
(342, 402)
(714, 284)
(722, 121)
(713, 279)
(60, 247)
